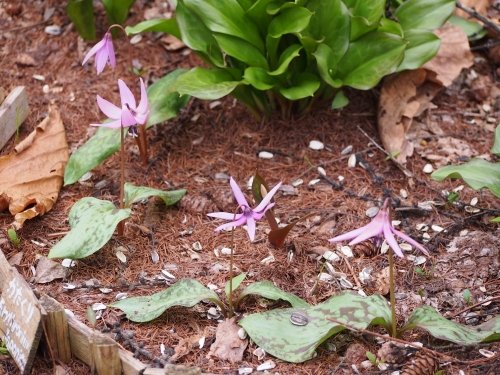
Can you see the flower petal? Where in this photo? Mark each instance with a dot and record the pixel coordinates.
(238, 195)
(251, 228)
(410, 240)
(127, 117)
(259, 215)
(126, 95)
(111, 50)
(242, 220)
(101, 58)
(108, 108)
(349, 235)
(116, 124)
(143, 106)
(224, 215)
(267, 199)
(94, 50)
(391, 241)
(374, 229)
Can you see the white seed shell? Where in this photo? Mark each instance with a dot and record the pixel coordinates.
(265, 155)
(316, 145)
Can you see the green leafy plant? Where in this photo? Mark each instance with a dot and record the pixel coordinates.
(13, 237)
(467, 296)
(285, 55)
(3, 348)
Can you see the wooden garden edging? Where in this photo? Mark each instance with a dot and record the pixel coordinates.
(23, 317)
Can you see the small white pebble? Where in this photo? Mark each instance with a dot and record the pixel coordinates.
(53, 30)
(314, 182)
(46, 89)
(405, 246)
(267, 365)
(68, 263)
(321, 171)
(242, 334)
(38, 77)
(265, 155)
(422, 227)
(316, 145)
(437, 228)
(486, 107)
(426, 237)
(403, 193)
(351, 162)
(346, 150)
(474, 201)
(297, 182)
(341, 178)
(372, 212)
(428, 168)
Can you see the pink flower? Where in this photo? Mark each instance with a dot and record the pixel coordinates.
(129, 114)
(103, 52)
(379, 228)
(249, 216)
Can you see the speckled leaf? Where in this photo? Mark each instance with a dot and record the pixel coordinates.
(425, 317)
(236, 283)
(136, 193)
(274, 332)
(92, 222)
(496, 144)
(186, 292)
(268, 290)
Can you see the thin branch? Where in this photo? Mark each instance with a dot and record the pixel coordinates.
(475, 305)
(484, 20)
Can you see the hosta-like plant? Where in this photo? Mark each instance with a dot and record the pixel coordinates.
(279, 54)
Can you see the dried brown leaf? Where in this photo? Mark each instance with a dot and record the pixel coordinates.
(47, 270)
(228, 346)
(382, 282)
(481, 6)
(31, 177)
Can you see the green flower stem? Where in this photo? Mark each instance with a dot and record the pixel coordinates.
(121, 224)
(392, 294)
(142, 143)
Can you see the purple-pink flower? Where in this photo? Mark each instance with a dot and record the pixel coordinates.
(130, 114)
(379, 228)
(249, 215)
(104, 52)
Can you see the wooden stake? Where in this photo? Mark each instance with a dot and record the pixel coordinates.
(57, 330)
(105, 356)
(13, 112)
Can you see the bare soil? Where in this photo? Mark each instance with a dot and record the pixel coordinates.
(205, 141)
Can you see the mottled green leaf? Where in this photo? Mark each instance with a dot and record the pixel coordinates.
(117, 10)
(496, 145)
(208, 84)
(81, 13)
(268, 290)
(424, 14)
(135, 194)
(92, 223)
(237, 280)
(274, 332)
(425, 317)
(422, 46)
(477, 173)
(186, 292)
(163, 25)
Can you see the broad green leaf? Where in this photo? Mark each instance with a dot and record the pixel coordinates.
(237, 280)
(241, 50)
(226, 17)
(291, 20)
(369, 59)
(422, 46)
(206, 84)
(326, 62)
(496, 145)
(340, 100)
(495, 220)
(274, 332)
(186, 292)
(164, 104)
(104, 143)
(425, 317)
(473, 29)
(390, 26)
(81, 13)
(134, 194)
(286, 58)
(259, 78)
(164, 25)
(365, 16)
(424, 14)
(117, 10)
(270, 291)
(92, 223)
(477, 173)
(258, 14)
(305, 85)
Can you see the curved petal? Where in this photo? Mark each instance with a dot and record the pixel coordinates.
(101, 58)
(237, 223)
(143, 106)
(349, 235)
(267, 199)
(391, 241)
(251, 228)
(259, 215)
(224, 215)
(111, 50)
(374, 229)
(126, 95)
(116, 124)
(94, 50)
(108, 108)
(238, 195)
(410, 240)
(127, 118)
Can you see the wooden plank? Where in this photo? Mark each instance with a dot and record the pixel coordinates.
(13, 112)
(56, 329)
(20, 317)
(130, 364)
(171, 369)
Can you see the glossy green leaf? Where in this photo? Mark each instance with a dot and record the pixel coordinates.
(135, 194)
(117, 10)
(424, 14)
(340, 100)
(477, 173)
(270, 291)
(208, 84)
(81, 13)
(473, 29)
(365, 16)
(241, 50)
(305, 85)
(291, 20)
(226, 17)
(258, 13)
(259, 78)
(496, 145)
(93, 222)
(326, 60)
(425, 317)
(237, 280)
(163, 25)
(369, 59)
(423, 46)
(274, 332)
(389, 26)
(286, 58)
(186, 292)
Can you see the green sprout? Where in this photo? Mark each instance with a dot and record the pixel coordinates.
(14, 239)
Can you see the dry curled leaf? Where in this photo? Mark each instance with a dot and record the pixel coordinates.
(31, 177)
(47, 270)
(382, 282)
(228, 346)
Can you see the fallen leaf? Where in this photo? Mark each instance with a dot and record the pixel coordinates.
(15, 260)
(382, 282)
(228, 346)
(47, 270)
(447, 150)
(24, 59)
(31, 177)
(481, 6)
(171, 43)
(187, 344)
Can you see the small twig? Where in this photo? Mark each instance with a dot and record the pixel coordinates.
(406, 172)
(474, 305)
(484, 20)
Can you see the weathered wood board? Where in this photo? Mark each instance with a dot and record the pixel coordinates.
(13, 111)
(20, 317)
